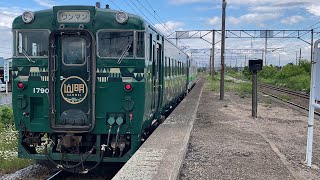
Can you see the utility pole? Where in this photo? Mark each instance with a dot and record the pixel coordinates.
(245, 60)
(236, 63)
(296, 57)
(265, 48)
(212, 54)
(279, 60)
(311, 55)
(223, 38)
(300, 56)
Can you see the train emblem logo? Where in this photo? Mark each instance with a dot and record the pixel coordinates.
(74, 90)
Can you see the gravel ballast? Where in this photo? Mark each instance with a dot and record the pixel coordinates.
(227, 143)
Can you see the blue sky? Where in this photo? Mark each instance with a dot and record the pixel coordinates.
(190, 15)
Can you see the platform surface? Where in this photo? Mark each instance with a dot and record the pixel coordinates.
(162, 155)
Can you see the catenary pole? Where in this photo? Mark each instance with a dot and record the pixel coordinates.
(212, 54)
(223, 33)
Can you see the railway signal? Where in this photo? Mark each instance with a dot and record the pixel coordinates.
(254, 66)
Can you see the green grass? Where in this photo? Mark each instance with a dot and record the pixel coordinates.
(9, 161)
(242, 88)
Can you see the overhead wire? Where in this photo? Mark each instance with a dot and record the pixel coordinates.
(147, 18)
(160, 21)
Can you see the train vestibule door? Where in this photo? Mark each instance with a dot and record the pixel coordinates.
(71, 81)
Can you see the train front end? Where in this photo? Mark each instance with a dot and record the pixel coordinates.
(78, 85)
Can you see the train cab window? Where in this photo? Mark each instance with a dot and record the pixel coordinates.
(31, 43)
(73, 50)
(140, 49)
(114, 44)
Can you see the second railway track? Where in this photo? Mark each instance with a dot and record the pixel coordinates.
(296, 98)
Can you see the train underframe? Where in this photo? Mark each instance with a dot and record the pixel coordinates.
(83, 152)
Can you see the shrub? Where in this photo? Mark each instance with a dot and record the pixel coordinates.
(6, 116)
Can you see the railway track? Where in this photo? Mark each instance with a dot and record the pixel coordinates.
(287, 91)
(56, 175)
(103, 172)
(302, 103)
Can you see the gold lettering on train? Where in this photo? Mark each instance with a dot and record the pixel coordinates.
(74, 90)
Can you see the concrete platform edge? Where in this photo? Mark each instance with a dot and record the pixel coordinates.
(162, 155)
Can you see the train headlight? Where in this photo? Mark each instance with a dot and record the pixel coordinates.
(27, 17)
(122, 17)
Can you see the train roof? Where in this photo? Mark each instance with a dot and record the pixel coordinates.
(100, 19)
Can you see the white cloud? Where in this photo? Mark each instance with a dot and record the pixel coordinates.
(266, 9)
(8, 15)
(251, 18)
(313, 9)
(216, 21)
(187, 1)
(292, 20)
(45, 3)
(169, 26)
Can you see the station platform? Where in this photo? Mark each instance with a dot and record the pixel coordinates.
(214, 139)
(228, 143)
(162, 155)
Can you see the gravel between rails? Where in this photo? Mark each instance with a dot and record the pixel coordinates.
(31, 172)
(226, 143)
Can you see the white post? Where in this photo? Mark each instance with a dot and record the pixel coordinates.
(7, 88)
(311, 106)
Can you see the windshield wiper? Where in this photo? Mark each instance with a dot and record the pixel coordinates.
(124, 52)
(26, 54)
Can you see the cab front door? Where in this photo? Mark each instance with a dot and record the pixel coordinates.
(71, 81)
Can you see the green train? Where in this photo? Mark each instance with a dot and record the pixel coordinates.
(89, 84)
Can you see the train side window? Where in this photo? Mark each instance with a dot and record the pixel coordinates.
(165, 66)
(140, 47)
(182, 68)
(154, 53)
(114, 44)
(175, 67)
(150, 46)
(169, 68)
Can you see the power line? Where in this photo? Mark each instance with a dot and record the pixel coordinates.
(115, 5)
(163, 24)
(131, 7)
(294, 33)
(147, 18)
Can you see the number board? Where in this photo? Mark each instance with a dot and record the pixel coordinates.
(6, 71)
(76, 16)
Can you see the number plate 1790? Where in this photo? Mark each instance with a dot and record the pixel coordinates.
(40, 90)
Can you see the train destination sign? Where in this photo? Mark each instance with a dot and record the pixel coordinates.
(76, 16)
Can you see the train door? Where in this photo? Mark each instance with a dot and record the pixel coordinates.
(155, 76)
(160, 74)
(71, 81)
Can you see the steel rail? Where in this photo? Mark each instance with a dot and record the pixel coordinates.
(295, 93)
